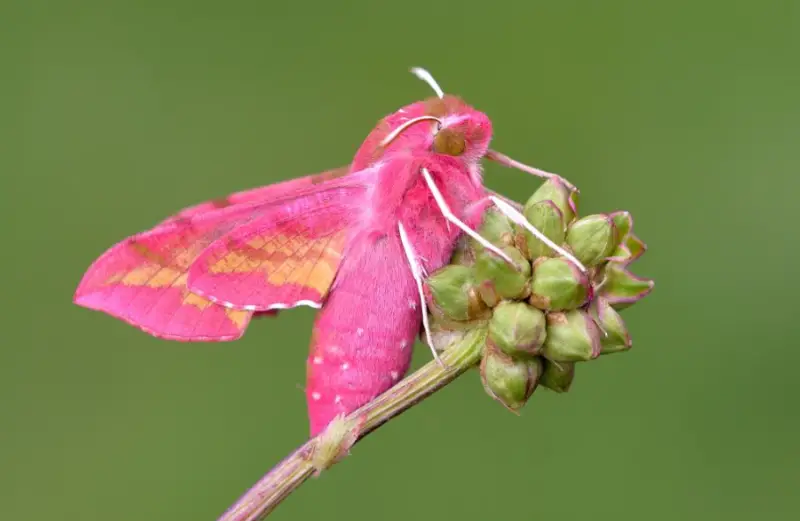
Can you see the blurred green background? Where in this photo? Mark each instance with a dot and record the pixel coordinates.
(116, 114)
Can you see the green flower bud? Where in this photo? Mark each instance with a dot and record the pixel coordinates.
(548, 219)
(558, 285)
(503, 280)
(621, 288)
(496, 228)
(623, 221)
(564, 199)
(451, 291)
(592, 239)
(571, 337)
(517, 328)
(557, 376)
(629, 250)
(464, 253)
(488, 293)
(445, 331)
(614, 336)
(509, 381)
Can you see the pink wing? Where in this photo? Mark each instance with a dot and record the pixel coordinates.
(285, 258)
(261, 194)
(143, 279)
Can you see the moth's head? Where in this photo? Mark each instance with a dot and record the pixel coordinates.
(461, 130)
(443, 124)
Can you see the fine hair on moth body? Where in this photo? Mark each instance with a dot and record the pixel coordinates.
(504, 207)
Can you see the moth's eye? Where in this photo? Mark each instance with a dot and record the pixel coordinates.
(450, 142)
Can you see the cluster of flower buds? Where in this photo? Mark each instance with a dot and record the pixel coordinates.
(544, 312)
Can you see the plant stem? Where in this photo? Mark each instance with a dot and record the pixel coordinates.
(296, 468)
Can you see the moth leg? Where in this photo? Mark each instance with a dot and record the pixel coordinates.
(451, 217)
(497, 157)
(416, 272)
(506, 199)
(513, 214)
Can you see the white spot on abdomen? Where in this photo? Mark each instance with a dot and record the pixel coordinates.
(395, 375)
(360, 332)
(403, 344)
(412, 304)
(337, 399)
(317, 360)
(345, 366)
(315, 396)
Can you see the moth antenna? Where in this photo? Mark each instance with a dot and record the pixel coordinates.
(396, 132)
(425, 76)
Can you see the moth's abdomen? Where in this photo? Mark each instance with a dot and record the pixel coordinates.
(362, 341)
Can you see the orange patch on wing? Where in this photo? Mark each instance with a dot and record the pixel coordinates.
(286, 259)
(148, 254)
(156, 272)
(237, 316)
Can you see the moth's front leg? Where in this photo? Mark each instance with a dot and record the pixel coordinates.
(514, 215)
(451, 217)
(417, 273)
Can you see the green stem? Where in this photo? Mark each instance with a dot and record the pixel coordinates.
(296, 468)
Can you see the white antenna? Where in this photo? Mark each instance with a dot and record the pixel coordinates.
(425, 76)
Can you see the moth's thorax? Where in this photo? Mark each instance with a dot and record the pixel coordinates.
(465, 132)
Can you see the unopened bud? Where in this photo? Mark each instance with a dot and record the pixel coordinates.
(517, 328)
(510, 282)
(451, 291)
(614, 335)
(564, 199)
(548, 219)
(623, 221)
(621, 288)
(464, 253)
(509, 381)
(571, 337)
(558, 285)
(557, 376)
(592, 238)
(630, 249)
(496, 228)
(444, 331)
